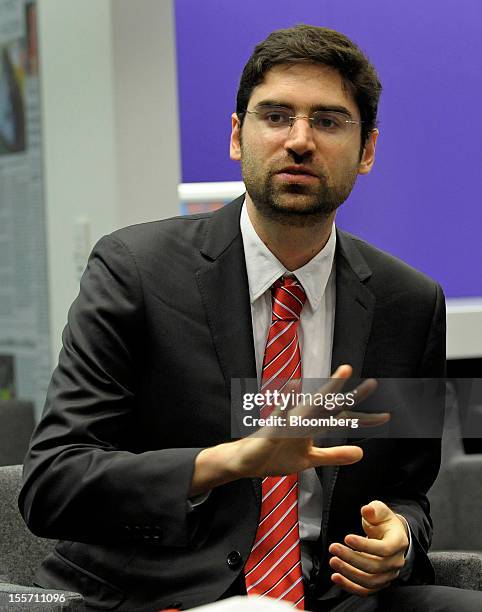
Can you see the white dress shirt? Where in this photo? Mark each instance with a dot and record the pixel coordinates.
(315, 335)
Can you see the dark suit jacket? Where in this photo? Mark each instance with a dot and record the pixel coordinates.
(161, 325)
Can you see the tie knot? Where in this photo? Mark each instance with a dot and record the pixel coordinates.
(288, 299)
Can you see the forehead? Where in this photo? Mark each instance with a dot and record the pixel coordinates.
(304, 87)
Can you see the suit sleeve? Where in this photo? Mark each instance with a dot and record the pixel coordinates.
(79, 483)
(413, 477)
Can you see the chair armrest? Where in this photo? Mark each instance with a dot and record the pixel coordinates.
(458, 569)
(16, 597)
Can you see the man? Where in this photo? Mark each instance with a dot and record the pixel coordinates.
(133, 467)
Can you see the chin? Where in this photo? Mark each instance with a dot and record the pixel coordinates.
(298, 203)
(301, 214)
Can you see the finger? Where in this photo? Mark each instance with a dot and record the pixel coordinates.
(335, 455)
(317, 423)
(387, 547)
(289, 390)
(376, 512)
(312, 425)
(343, 371)
(363, 561)
(372, 564)
(365, 419)
(365, 389)
(351, 587)
(291, 387)
(377, 518)
(364, 579)
(337, 380)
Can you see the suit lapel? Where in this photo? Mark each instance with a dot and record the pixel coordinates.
(355, 305)
(223, 284)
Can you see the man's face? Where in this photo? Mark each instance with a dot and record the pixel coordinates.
(298, 175)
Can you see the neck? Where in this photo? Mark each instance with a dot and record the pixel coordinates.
(294, 246)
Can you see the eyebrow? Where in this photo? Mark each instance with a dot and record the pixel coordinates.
(319, 107)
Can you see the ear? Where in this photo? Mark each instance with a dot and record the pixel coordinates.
(235, 141)
(368, 156)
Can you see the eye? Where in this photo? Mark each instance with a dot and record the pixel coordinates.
(276, 118)
(328, 122)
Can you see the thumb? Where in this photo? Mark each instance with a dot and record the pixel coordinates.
(375, 516)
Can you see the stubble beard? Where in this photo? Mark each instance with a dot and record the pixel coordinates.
(295, 204)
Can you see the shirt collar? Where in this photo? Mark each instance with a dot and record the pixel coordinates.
(263, 268)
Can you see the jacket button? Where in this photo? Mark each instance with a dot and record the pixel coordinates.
(234, 559)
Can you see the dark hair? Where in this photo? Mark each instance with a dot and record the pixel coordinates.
(315, 45)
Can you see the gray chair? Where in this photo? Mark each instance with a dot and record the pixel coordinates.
(21, 554)
(456, 509)
(16, 427)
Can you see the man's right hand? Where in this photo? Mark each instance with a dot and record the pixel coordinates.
(261, 455)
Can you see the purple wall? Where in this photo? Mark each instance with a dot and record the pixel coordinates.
(423, 200)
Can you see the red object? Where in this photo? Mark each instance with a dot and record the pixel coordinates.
(273, 568)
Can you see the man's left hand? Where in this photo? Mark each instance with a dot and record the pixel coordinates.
(366, 565)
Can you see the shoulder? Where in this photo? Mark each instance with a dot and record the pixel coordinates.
(174, 247)
(154, 243)
(385, 273)
(182, 230)
(183, 234)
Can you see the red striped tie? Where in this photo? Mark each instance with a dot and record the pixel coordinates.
(273, 568)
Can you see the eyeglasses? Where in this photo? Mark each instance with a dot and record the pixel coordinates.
(333, 125)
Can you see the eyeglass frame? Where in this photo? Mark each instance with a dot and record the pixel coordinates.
(293, 118)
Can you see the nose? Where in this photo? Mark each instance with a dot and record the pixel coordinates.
(300, 138)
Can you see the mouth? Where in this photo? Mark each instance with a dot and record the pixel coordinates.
(297, 174)
(303, 170)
